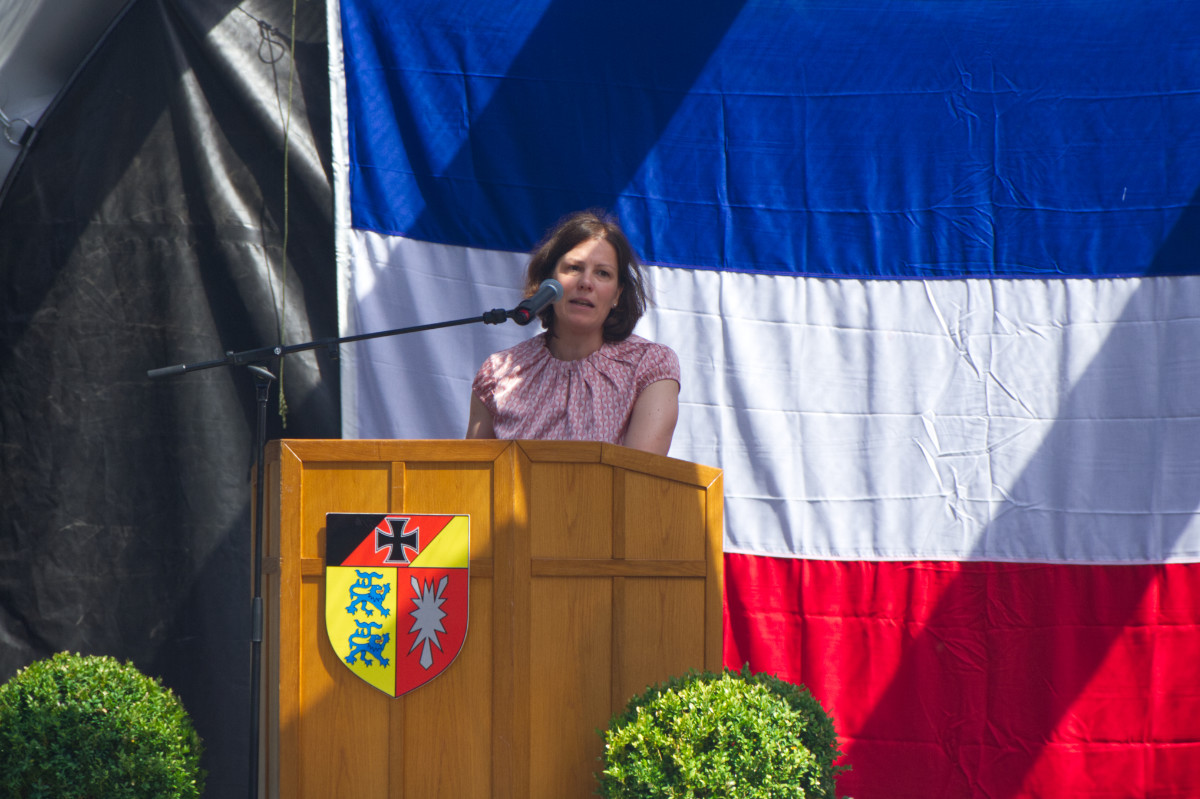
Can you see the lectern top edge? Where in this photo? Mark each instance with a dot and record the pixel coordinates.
(476, 450)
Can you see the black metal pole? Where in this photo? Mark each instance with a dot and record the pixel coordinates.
(262, 383)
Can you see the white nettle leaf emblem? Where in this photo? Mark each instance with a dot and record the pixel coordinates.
(427, 618)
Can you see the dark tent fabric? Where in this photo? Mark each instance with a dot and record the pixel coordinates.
(144, 227)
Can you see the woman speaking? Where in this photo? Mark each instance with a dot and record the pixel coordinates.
(587, 377)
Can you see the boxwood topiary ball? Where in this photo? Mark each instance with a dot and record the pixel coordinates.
(77, 727)
(732, 734)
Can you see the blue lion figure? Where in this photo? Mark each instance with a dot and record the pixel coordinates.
(365, 643)
(365, 594)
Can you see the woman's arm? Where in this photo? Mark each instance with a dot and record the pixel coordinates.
(652, 422)
(479, 424)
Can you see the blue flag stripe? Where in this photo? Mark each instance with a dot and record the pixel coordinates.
(901, 140)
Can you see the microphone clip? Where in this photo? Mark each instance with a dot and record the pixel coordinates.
(549, 292)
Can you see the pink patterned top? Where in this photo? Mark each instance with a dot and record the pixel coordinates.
(533, 395)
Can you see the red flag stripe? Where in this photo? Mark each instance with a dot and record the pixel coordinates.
(982, 678)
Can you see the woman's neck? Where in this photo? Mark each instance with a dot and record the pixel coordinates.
(567, 347)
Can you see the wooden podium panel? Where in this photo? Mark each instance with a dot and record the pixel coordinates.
(595, 571)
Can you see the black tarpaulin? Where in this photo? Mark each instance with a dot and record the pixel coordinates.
(144, 227)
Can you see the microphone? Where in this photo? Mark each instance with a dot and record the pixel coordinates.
(550, 291)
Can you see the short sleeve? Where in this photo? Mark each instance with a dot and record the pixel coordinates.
(659, 363)
(484, 384)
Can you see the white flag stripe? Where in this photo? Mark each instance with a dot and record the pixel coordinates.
(1012, 420)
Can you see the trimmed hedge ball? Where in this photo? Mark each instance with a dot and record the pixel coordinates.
(85, 727)
(736, 735)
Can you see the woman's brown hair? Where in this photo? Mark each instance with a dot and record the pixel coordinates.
(570, 232)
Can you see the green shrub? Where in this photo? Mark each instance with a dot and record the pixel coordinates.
(74, 727)
(743, 735)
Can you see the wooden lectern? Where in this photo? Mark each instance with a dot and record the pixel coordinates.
(595, 571)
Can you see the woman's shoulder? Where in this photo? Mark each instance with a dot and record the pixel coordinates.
(516, 359)
(651, 360)
(522, 353)
(641, 346)
(654, 352)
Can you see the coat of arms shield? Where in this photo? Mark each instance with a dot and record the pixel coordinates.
(396, 594)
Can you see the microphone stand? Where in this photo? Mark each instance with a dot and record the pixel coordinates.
(263, 378)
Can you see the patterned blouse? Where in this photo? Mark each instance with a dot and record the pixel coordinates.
(533, 395)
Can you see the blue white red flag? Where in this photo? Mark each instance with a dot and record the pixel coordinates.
(931, 270)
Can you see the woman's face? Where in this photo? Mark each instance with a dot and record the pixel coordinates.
(589, 278)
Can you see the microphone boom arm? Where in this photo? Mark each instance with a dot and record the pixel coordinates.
(493, 317)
